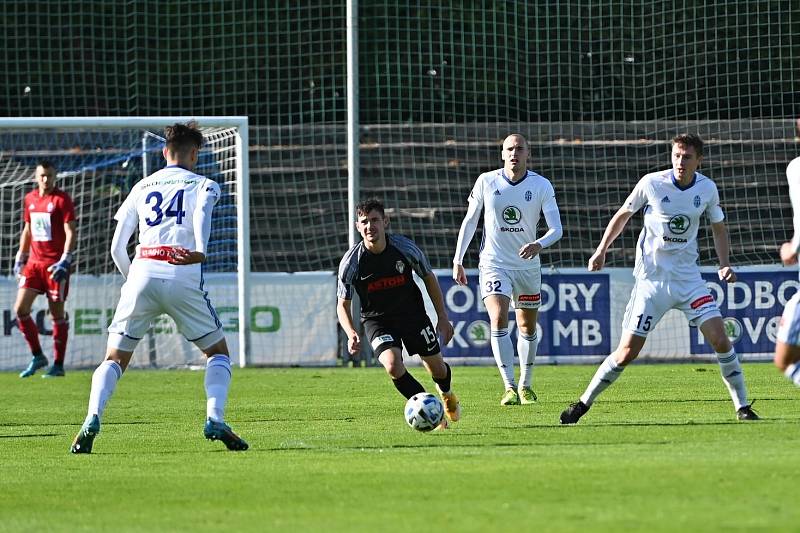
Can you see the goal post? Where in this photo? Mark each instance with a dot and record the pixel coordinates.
(98, 159)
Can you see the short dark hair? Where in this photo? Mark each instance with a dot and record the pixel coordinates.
(370, 204)
(181, 137)
(45, 163)
(689, 139)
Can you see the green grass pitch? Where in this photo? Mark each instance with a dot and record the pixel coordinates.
(660, 451)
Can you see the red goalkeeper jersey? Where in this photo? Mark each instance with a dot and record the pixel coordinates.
(47, 215)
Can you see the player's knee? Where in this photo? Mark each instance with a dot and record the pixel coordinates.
(625, 355)
(394, 366)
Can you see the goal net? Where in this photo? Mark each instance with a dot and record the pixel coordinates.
(97, 162)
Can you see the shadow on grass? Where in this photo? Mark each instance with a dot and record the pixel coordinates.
(30, 436)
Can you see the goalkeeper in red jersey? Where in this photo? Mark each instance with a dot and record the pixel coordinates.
(43, 264)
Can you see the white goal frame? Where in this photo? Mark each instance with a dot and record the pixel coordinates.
(242, 187)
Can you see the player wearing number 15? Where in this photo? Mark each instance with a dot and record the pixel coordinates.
(380, 268)
(666, 271)
(172, 209)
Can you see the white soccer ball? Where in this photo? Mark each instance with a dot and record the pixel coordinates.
(424, 411)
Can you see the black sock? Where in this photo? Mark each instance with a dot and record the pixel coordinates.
(444, 383)
(408, 385)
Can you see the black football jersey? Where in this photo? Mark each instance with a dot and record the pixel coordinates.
(384, 282)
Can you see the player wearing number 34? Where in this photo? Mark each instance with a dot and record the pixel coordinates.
(172, 209)
(666, 271)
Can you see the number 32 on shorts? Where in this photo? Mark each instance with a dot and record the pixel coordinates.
(493, 286)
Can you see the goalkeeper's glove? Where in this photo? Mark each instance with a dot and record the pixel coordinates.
(60, 270)
(19, 262)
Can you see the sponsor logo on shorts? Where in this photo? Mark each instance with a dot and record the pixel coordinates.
(702, 301)
(386, 283)
(529, 297)
(381, 339)
(158, 253)
(733, 329)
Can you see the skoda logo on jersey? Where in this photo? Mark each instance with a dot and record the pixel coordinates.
(512, 215)
(528, 196)
(679, 224)
(697, 201)
(400, 266)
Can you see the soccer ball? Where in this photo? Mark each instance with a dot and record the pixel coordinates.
(424, 411)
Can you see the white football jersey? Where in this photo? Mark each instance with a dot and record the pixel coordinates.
(511, 215)
(667, 246)
(164, 204)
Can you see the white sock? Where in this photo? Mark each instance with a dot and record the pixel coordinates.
(526, 348)
(733, 377)
(606, 374)
(793, 373)
(503, 351)
(104, 381)
(217, 381)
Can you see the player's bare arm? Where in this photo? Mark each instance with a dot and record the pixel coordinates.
(459, 275)
(24, 250)
(344, 313)
(614, 228)
(443, 325)
(720, 234)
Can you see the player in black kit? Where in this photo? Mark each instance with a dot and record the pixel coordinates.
(379, 268)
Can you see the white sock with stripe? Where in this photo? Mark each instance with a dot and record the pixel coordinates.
(104, 381)
(526, 348)
(733, 377)
(503, 350)
(217, 383)
(606, 374)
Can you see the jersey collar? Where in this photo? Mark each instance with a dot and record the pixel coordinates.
(177, 166)
(678, 186)
(514, 183)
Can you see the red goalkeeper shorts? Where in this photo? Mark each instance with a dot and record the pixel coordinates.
(36, 277)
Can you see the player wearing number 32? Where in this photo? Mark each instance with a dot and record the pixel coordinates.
(513, 198)
(380, 269)
(172, 209)
(666, 271)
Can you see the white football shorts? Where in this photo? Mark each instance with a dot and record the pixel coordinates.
(789, 328)
(143, 299)
(524, 287)
(651, 299)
